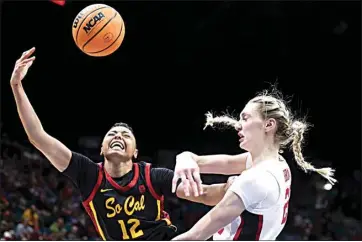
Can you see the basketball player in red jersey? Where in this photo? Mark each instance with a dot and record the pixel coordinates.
(123, 199)
(255, 206)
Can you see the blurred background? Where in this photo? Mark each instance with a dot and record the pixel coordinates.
(178, 61)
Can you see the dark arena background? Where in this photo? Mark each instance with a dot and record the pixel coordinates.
(178, 61)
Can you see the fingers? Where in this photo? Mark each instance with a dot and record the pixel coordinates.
(28, 60)
(26, 54)
(192, 183)
(174, 182)
(198, 181)
(186, 184)
(25, 63)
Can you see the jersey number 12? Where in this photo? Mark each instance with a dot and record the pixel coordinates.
(134, 224)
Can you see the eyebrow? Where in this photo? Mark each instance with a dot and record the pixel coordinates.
(242, 115)
(115, 131)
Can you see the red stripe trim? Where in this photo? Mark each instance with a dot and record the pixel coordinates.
(129, 185)
(149, 184)
(240, 228)
(164, 214)
(86, 202)
(260, 227)
(95, 188)
(89, 211)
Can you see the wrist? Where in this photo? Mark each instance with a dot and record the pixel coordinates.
(15, 85)
(184, 157)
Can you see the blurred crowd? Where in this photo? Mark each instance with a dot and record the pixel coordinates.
(39, 203)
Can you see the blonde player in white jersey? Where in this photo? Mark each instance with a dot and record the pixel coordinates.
(255, 207)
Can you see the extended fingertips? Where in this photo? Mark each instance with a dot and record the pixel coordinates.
(28, 60)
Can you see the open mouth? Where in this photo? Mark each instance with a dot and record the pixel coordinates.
(117, 145)
(241, 138)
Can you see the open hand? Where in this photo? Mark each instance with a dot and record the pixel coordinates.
(22, 66)
(188, 171)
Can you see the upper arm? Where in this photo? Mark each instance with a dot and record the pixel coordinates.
(256, 189)
(83, 172)
(230, 207)
(222, 164)
(55, 151)
(161, 179)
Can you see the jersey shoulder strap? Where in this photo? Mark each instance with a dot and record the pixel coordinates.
(97, 185)
(147, 176)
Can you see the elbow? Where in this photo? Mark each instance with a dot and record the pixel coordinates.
(36, 138)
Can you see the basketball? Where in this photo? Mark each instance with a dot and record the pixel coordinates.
(98, 30)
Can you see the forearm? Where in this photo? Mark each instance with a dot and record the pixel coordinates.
(212, 194)
(204, 228)
(230, 207)
(217, 164)
(28, 117)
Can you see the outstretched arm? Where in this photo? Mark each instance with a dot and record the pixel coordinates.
(212, 194)
(221, 215)
(248, 190)
(189, 166)
(58, 154)
(162, 177)
(217, 164)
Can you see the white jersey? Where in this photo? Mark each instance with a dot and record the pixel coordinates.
(265, 191)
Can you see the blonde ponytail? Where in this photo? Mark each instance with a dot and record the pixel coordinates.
(298, 129)
(224, 119)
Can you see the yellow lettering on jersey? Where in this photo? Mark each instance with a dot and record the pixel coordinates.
(115, 210)
(130, 206)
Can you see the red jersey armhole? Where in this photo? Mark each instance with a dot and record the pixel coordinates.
(149, 183)
(95, 188)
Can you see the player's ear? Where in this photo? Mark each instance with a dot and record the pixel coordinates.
(101, 150)
(135, 154)
(270, 124)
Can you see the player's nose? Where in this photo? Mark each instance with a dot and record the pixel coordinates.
(118, 136)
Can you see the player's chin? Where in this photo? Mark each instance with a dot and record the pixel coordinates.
(242, 145)
(111, 154)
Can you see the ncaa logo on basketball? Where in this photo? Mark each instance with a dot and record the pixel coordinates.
(97, 18)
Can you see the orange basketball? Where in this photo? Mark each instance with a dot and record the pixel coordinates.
(98, 30)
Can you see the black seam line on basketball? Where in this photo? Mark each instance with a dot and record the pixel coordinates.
(109, 20)
(120, 32)
(80, 24)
